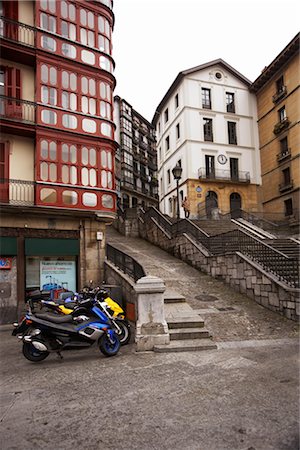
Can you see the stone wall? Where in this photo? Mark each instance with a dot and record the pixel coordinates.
(241, 273)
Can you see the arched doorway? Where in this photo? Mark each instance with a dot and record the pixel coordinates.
(211, 203)
(235, 205)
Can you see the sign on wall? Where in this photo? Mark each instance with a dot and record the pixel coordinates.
(5, 263)
(58, 274)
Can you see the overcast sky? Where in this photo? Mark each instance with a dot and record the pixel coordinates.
(154, 40)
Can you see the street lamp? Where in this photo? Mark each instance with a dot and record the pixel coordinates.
(177, 171)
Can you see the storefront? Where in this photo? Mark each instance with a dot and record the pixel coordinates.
(28, 263)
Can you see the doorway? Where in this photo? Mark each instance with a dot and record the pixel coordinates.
(211, 203)
(235, 205)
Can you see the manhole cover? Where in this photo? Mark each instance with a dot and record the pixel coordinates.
(206, 298)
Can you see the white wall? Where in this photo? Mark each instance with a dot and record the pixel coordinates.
(191, 147)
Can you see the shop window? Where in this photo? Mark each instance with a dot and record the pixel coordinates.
(107, 201)
(70, 197)
(48, 195)
(89, 199)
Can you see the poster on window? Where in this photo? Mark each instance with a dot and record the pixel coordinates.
(57, 275)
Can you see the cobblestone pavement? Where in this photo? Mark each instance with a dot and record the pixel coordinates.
(228, 315)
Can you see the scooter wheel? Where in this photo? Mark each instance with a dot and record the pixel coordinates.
(33, 354)
(107, 347)
(125, 333)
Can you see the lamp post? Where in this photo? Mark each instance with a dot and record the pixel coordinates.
(177, 171)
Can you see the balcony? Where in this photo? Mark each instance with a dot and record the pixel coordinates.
(286, 153)
(17, 116)
(286, 186)
(282, 125)
(17, 192)
(280, 94)
(152, 165)
(224, 175)
(12, 34)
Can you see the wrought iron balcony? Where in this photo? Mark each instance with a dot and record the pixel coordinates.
(17, 31)
(224, 175)
(279, 94)
(284, 154)
(17, 192)
(17, 110)
(286, 186)
(282, 125)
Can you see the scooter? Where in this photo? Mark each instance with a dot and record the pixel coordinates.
(45, 333)
(110, 308)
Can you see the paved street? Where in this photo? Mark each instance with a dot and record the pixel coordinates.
(233, 398)
(243, 396)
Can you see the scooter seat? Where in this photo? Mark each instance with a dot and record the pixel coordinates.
(55, 318)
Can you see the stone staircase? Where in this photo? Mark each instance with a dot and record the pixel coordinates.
(215, 227)
(186, 327)
(289, 247)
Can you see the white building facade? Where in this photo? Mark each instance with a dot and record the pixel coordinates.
(207, 123)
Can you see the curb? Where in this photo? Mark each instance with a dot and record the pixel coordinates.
(8, 327)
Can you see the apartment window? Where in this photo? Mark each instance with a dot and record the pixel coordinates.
(179, 163)
(10, 86)
(230, 105)
(288, 207)
(178, 131)
(169, 176)
(158, 128)
(234, 168)
(232, 138)
(170, 206)
(48, 22)
(286, 176)
(282, 114)
(206, 100)
(68, 30)
(166, 115)
(284, 145)
(159, 154)
(176, 101)
(280, 85)
(167, 143)
(209, 166)
(208, 130)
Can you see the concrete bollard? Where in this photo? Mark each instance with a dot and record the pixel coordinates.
(151, 326)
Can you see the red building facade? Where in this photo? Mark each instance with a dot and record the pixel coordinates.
(57, 145)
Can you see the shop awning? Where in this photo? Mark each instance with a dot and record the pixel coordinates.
(8, 246)
(51, 247)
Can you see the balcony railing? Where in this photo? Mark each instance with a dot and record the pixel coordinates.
(286, 186)
(281, 93)
(282, 125)
(224, 175)
(17, 109)
(16, 192)
(284, 154)
(17, 31)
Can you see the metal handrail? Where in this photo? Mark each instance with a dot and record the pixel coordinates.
(12, 108)
(218, 174)
(284, 267)
(125, 263)
(17, 31)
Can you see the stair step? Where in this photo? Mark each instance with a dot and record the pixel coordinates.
(188, 333)
(173, 297)
(189, 345)
(185, 322)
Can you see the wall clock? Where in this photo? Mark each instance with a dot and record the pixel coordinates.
(222, 159)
